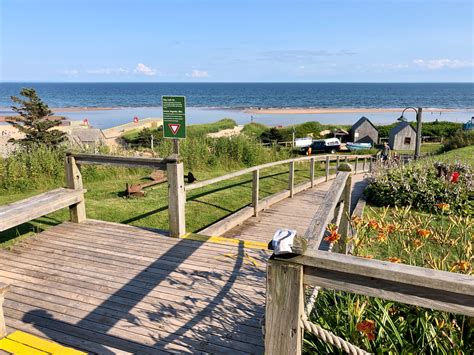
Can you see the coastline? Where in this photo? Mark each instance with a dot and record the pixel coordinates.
(315, 111)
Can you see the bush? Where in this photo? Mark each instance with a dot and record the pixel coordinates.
(420, 185)
(459, 140)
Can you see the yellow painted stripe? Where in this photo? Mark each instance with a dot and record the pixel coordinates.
(42, 345)
(222, 240)
(11, 346)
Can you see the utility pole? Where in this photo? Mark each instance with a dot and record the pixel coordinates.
(418, 132)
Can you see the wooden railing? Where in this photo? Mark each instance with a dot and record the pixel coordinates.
(361, 163)
(311, 266)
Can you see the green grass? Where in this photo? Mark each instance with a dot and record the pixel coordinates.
(105, 200)
(426, 148)
(196, 130)
(465, 155)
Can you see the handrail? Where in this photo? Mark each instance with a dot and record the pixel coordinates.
(131, 162)
(200, 184)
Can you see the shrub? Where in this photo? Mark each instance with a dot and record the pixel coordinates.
(459, 140)
(420, 185)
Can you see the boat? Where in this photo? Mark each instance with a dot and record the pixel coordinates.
(358, 146)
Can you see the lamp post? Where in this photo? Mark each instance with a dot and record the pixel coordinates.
(418, 128)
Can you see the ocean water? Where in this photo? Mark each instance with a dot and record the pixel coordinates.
(244, 95)
(211, 101)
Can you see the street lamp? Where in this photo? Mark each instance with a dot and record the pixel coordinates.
(418, 128)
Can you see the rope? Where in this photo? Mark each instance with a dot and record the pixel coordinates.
(330, 338)
(311, 300)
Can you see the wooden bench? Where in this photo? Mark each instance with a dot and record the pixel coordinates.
(26, 210)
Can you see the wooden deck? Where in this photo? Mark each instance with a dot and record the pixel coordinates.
(108, 288)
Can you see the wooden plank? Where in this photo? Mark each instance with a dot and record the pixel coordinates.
(291, 179)
(176, 200)
(148, 332)
(255, 191)
(129, 162)
(74, 181)
(344, 224)
(63, 338)
(17, 348)
(3, 327)
(26, 210)
(284, 307)
(47, 346)
(325, 213)
(311, 172)
(385, 270)
(450, 301)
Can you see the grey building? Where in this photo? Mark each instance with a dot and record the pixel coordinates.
(363, 131)
(402, 137)
(87, 137)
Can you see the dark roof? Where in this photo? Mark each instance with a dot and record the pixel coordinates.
(395, 130)
(359, 123)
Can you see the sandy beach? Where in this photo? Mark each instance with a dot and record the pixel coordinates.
(311, 111)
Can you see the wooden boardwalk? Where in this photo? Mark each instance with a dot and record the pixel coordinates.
(108, 288)
(293, 213)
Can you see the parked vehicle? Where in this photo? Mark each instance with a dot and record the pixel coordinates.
(330, 145)
(358, 146)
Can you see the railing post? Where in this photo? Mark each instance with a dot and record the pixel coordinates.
(3, 327)
(346, 215)
(291, 178)
(355, 165)
(284, 308)
(328, 164)
(364, 164)
(337, 162)
(255, 188)
(74, 181)
(371, 164)
(346, 160)
(176, 199)
(311, 171)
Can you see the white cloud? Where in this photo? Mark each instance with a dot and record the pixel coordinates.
(198, 74)
(71, 72)
(145, 70)
(435, 64)
(108, 71)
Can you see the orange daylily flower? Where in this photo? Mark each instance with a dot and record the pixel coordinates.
(373, 224)
(442, 206)
(394, 259)
(368, 328)
(462, 265)
(390, 228)
(381, 237)
(424, 232)
(333, 237)
(417, 243)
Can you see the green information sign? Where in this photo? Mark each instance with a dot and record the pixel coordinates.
(174, 117)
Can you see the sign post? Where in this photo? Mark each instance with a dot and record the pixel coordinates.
(174, 119)
(174, 127)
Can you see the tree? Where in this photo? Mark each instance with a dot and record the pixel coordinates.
(34, 121)
(270, 136)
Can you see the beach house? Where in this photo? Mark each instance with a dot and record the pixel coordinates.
(364, 131)
(402, 137)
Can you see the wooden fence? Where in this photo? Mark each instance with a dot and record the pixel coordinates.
(361, 163)
(311, 266)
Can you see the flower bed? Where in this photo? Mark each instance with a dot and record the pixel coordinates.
(424, 185)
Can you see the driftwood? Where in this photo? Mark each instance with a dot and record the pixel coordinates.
(157, 177)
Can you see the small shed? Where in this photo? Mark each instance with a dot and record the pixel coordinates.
(402, 137)
(88, 137)
(363, 131)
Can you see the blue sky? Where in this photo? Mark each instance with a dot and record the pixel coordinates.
(237, 41)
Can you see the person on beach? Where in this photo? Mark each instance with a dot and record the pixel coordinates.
(385, 151)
